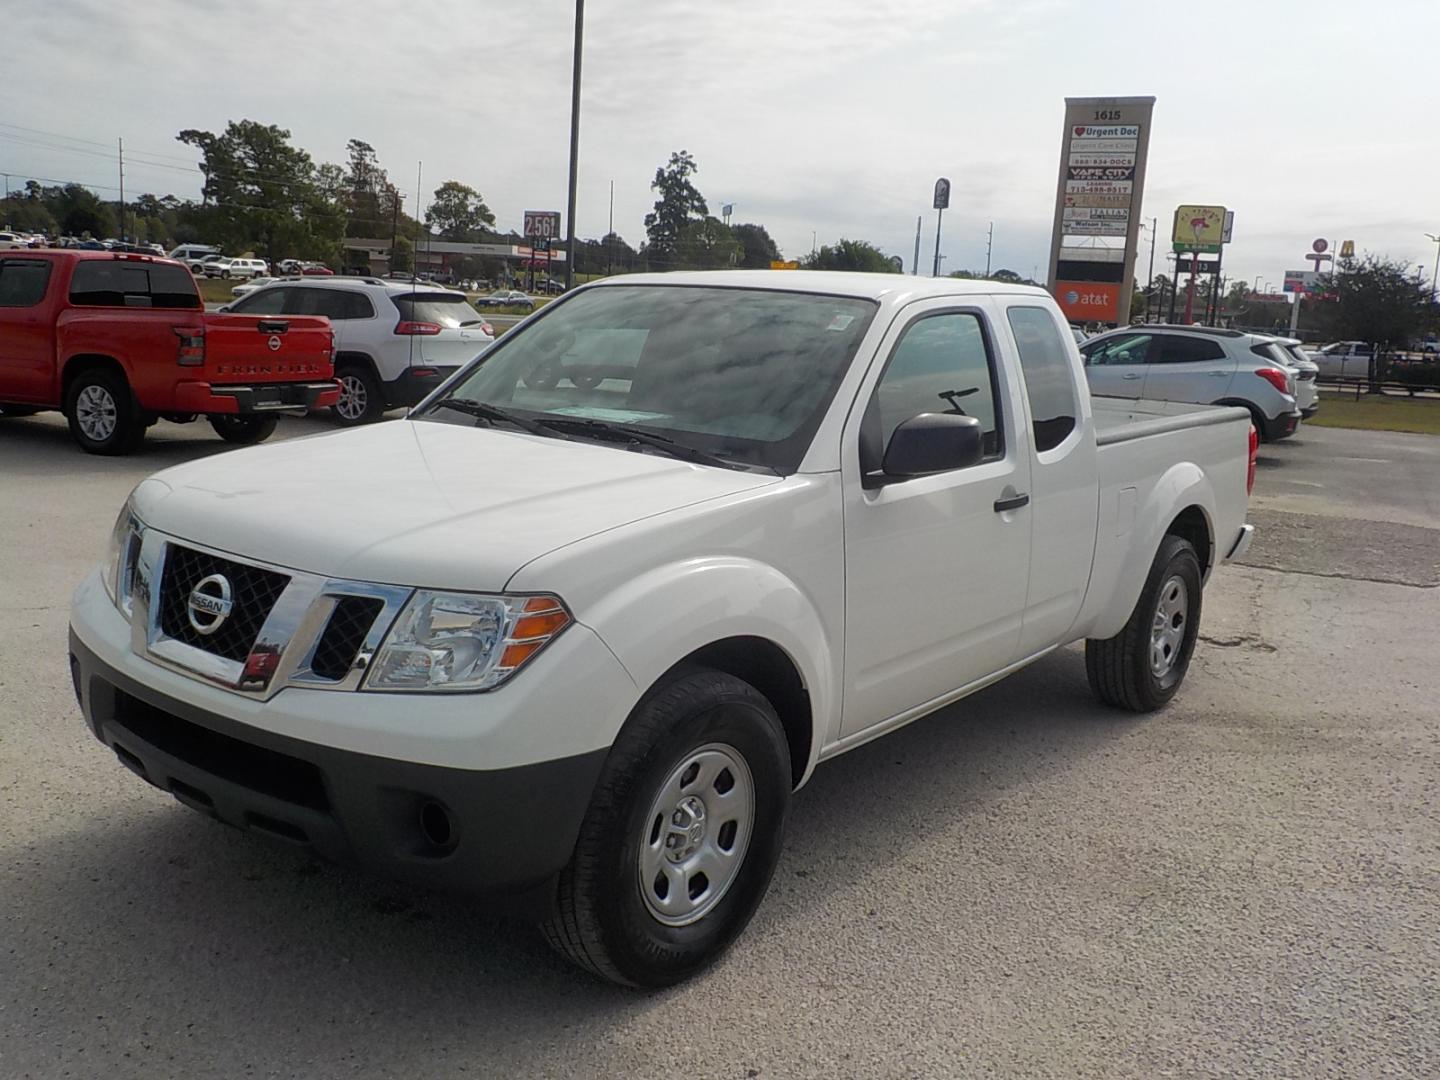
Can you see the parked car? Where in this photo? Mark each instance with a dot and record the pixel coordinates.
(1293, 356)
(583, 651)
(199, 266)
(508, 298)
(1344, 359)
(1197, 364)
(394, 343)
(236, 268)
(245, 288)
(192, 254)
(10, 241)
(118, 341)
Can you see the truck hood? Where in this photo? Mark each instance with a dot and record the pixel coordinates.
(421, 503)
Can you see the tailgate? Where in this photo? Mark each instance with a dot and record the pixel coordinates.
(268, 348)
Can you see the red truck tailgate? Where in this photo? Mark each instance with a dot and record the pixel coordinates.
(256, 349)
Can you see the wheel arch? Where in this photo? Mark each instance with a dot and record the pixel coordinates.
(82, 362)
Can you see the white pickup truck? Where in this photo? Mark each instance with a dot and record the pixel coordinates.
(579, 641)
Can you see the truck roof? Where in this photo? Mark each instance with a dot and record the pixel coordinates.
(79, 254)
(833, 282)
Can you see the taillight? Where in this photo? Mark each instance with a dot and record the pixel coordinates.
(487, 329)
(1254, 451)
(1280, 380)
(426, 328)
(192, 346)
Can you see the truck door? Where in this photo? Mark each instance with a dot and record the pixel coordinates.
(1115, 366)
(1064, 477)
(935, 565)
(27, 334)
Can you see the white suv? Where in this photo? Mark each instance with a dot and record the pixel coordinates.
(237, 268)
(1197, 364)
(394, 343)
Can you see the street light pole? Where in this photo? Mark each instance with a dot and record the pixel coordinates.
(1257, 284)
(574, 145)
(1435, 239)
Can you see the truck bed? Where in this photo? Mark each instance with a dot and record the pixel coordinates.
(1123, 419)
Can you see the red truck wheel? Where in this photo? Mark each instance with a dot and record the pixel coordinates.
(102, 413)
(244, 430)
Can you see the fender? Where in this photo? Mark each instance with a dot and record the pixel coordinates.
(722, 597)
(1183, 485)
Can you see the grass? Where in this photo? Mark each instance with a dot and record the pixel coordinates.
(216, 290)
(1375, 413)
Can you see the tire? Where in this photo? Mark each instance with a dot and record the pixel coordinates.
(585, 380)
(613, 916)
(1142, 666)
(225, 275)
(362, 401)
(15, 412)
(103, 415)
(244, 430)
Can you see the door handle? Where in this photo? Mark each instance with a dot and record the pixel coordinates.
(1131, 375)
(1015, 502)
(1219, 374)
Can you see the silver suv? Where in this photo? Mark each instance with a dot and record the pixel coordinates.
(1204, 365)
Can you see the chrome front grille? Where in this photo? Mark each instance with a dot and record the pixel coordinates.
(282, 627)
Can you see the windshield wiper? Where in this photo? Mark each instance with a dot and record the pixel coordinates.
(602, 429)
(482, 410)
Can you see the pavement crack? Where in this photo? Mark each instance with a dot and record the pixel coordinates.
(1248, 641)
(1343, 577)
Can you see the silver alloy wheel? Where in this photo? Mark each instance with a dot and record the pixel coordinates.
(353, 398)
(696, 834)
(96, 412)
(1167, 631)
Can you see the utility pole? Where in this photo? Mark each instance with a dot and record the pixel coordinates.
(915, 265)
(1150, 285)
(989, 243)
(120, 147)
(1435, 239)
(574, 146)
(609, 235)
(813, 247)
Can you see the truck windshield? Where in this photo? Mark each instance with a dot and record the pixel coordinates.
(741, 374)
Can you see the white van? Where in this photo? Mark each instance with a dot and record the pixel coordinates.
(190, 254)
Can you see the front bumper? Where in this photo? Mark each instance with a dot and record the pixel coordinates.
(204, 397)
(478, 831)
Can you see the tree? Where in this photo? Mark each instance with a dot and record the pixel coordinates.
(258, 188)
(1377, 300)
(707, 244)
(458, 212)
(759, 251)
(79, 211)
(402, 255)
(855, 255)
(678, 205)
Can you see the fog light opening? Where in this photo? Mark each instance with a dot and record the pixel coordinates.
(435, 824)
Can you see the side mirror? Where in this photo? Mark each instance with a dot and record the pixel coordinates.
(223, 309)
(933, 443)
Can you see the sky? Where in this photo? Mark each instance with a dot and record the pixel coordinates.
(820, 119)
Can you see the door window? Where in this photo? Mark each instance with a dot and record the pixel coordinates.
(262, 302)
(940, 365)
(23, 282)
(1049, 385)
(1120, 349)
(1179, 349)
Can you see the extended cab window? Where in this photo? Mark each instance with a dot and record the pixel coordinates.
(941, 365)
(23, 282)
(1120, 349)
(1049, 386)
(1178, 349)
(127, 283)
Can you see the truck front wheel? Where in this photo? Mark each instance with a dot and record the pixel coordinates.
(103, 415)
(682, 834)
(1142, 666)
(244, 430)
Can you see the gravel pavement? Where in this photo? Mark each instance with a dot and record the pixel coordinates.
(1025, 885)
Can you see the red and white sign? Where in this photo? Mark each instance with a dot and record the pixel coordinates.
(1088, 301)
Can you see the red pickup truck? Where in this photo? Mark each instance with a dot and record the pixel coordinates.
(119, 341)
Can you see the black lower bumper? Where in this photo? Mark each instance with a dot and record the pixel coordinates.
(1306, 414)
(1281, 427)
(415, 384)
(279, 396)
(486, 832)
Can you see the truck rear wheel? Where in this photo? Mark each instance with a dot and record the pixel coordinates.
(104, 417)
(682, 835)
(244, 430)
(1142, 666)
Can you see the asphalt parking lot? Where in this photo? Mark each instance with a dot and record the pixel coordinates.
(1246, 884)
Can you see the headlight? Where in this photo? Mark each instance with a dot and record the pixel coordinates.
(120, 558)
(463, 641)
